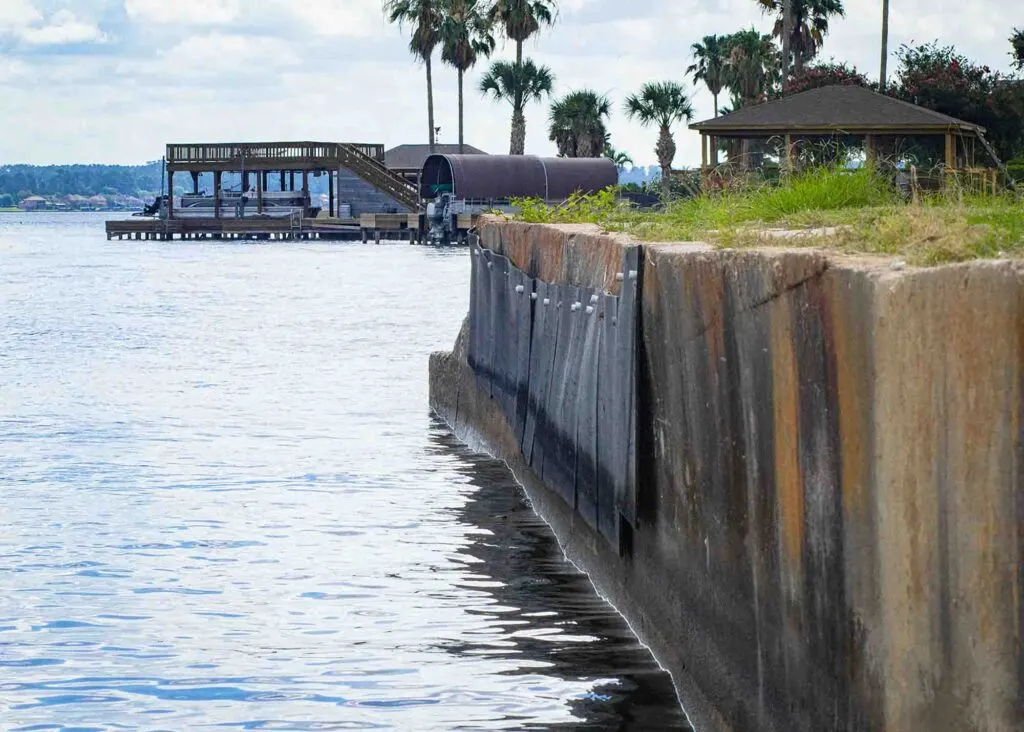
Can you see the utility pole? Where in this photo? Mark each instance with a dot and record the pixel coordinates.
(885, 45)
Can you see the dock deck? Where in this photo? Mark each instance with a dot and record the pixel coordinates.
(365, 228)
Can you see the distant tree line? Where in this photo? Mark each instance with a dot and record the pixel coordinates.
(18, 182)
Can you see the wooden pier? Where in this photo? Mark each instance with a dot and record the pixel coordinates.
(259, 166)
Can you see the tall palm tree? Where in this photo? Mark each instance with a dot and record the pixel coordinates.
(662, 104)
(577, 124)
(885, 45)
(752, 65)
(710, 57)
(788, 23)
(425, 19)
(808, 25)
(465, 34)
(517, 82)
(520, 19)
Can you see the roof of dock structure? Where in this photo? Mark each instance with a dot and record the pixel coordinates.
(299, 155)
(412, 157)
(833, 110)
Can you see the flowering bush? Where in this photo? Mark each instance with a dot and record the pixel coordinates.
(939, 78)
(825, 74)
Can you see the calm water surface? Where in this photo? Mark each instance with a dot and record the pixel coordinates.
(225, 504)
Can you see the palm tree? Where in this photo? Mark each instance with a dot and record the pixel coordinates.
(465, 34)
(808, 26)
(710, 57)
(662, 104)
(751, 67)
(517, 82)
(620, 157)
(520, 19)
(885, 45)
(424, 17)
(577, 124)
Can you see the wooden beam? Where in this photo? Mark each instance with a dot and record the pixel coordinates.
(950, 152)
(789, 154)
(869, 149)
(216, 194)
(330, 193)
(261, 180)
(305, 193)
(170, 194)
(703, 152)
(713, 144)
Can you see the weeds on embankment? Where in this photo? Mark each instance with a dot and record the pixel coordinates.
(855, 212)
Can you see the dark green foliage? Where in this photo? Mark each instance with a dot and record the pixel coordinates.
(939, 78)
(810, 26)
(577, 124)
(21, 181)
(1017, 41)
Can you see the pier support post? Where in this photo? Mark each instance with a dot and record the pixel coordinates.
(283, 188)
(261, 180)
(195, 182)
(291, 176)
(170, 194)
(330, 193)
(216, 194)
(305, 193)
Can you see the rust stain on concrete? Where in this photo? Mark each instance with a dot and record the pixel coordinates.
(788, 480)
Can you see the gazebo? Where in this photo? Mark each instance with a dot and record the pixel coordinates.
(846, 112)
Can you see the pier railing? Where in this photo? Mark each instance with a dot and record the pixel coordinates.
(275, 153)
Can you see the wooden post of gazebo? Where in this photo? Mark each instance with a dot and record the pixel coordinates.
(950, 152)
(789, 154)
(703, 153)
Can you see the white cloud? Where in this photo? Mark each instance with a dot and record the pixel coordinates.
(330, 18)
(289, 69)
(63, 28)
(18, 14)
(11, 69)
(184, 12)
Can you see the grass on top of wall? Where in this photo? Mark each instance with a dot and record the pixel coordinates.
(857, 212)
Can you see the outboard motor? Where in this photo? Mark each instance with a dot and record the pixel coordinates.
(441, 220)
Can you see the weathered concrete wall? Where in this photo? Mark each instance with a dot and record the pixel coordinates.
(829, 490)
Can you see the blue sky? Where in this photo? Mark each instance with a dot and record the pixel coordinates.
(113, 80)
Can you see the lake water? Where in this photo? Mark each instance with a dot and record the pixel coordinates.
(225, 504)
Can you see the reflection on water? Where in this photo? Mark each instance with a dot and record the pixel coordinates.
(543, 613)
(225, 504)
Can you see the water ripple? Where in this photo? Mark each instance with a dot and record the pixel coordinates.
(226, 505)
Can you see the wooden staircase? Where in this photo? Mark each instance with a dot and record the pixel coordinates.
(377, 175)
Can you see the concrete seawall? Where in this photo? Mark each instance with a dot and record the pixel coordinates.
(829, 494)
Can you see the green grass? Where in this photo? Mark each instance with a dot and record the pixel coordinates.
(9, 209)
(854, 212)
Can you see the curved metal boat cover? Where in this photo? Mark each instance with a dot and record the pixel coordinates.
(514, 176)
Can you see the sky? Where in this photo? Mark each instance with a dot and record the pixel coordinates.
(112, 81)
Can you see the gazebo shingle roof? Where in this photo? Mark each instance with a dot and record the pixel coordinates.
(412, 157)
(835, 109)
